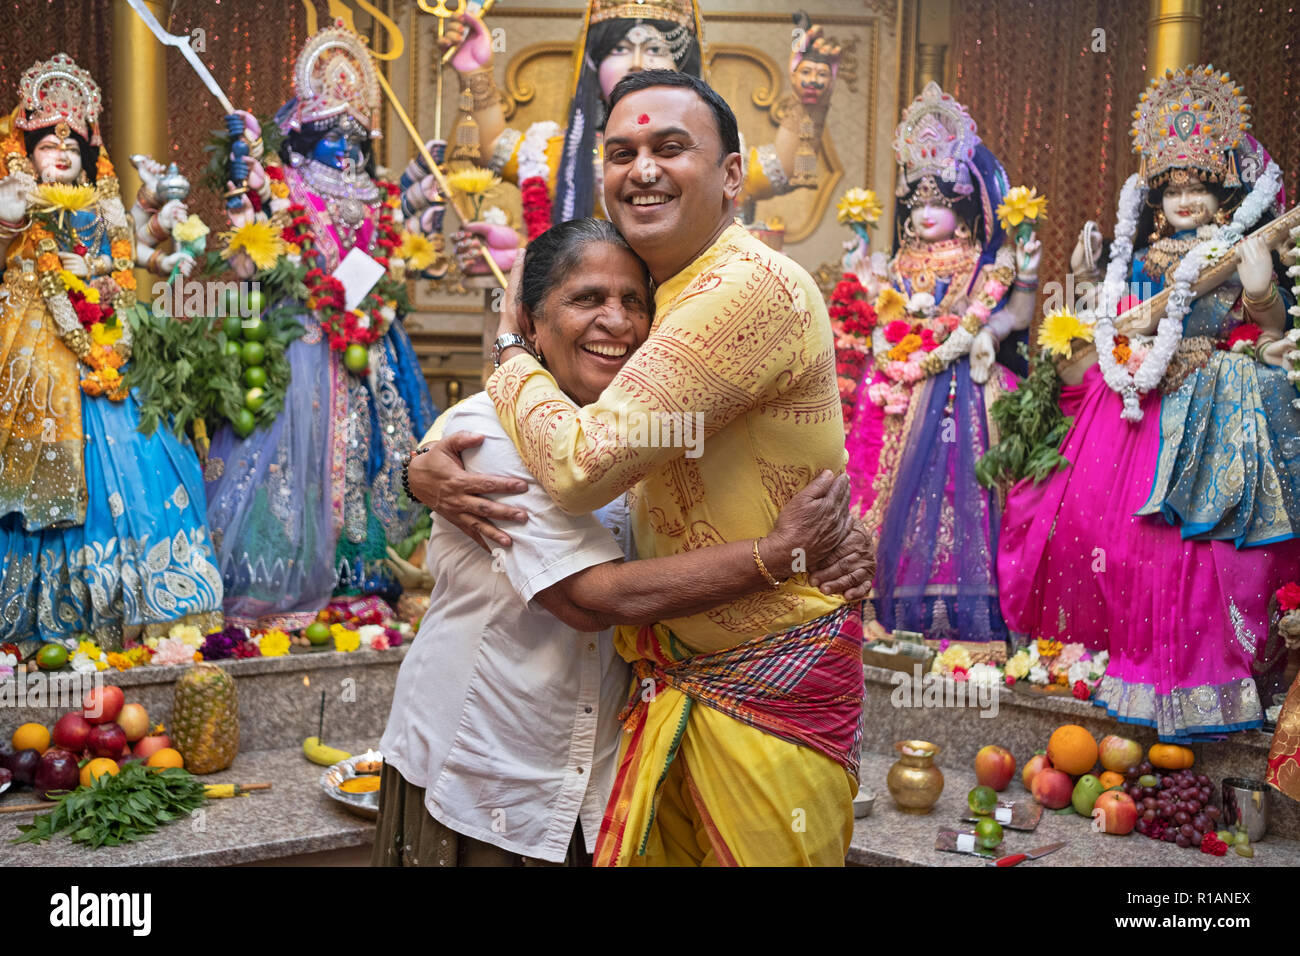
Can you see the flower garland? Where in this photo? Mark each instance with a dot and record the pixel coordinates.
(852, 320)
(1293, 335)
(87, 316)
(534, 173)
(1130, 385)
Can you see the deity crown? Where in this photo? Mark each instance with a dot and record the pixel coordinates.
(1190, 119)
(58, 91)
(333, 78)
(936, 138)
(680, 12)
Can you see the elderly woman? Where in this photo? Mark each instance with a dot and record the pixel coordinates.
(504, 732)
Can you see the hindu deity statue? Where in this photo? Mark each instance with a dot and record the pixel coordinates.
(936, 312)
(1177, 515)
(101, 528)
(305, 508)
(560, 169)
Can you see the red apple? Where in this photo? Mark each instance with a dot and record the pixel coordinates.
(994, 767)
(146, 747)
(1119, 753)
(106, 740)
(1035, 764)
(102, 704)
(71, 731)
(57, 771)
(134, 721)
(1114, 812)
(1052, 788)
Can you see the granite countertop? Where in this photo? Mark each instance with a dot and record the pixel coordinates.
(294, 817)
(889, 837)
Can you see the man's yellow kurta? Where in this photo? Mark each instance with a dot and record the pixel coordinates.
(741, 337)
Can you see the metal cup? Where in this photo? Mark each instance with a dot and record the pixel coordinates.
(1245, 806)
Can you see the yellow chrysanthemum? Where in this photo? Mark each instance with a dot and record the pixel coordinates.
(1059, 330)
(906, 346)
(274, 643)
(890, 305)
(61, 197)
(186, 634)
(74, 284)
(104, 334)
(858, 205)
(473, 182)
(1020, 205)
(344, 639)
(89, 648)
(260, 240)
(1049, 648)
(191, 229)
(417, 250)
(279, 190)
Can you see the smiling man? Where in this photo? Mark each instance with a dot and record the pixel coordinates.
(742, 744)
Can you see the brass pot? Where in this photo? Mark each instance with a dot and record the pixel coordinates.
(914, 781)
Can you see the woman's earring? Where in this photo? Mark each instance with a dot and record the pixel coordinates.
(1162, 226)
(962, 231)
(296, 159)
(1221, 217)
(909, 232)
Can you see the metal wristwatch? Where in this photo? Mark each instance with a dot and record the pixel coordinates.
(509, 341)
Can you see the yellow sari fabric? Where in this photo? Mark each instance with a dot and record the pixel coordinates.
(41, 467)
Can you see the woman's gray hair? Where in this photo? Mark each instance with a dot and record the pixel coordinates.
(553, 254)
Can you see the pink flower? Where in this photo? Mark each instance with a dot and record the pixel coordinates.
(943, 645)
(1010, 680)
(1128, 302)
(380, 643)
(928, 344)
(896, 330)
(959, 673)
(879, 392)
(949, 321)
(979, 310)
(1081, 690)
(1288, 596)
(172, 650)
(896, 371)
(1135, 360)
(995, 289)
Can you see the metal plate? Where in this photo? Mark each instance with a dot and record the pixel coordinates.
(362, 804)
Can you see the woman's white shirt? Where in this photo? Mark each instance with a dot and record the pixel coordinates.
(504, 714)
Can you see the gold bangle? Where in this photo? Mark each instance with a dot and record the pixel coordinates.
(482, 87)
(763, 568)
(1260, 305)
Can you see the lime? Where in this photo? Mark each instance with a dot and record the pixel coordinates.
(988, 833)
(255, 376)
(244, 423)
(982, 801)
(253, 353)
(232, 302)
(233, 349)
(255, 330)
(232, 326)
(51, 657)
(254, 399)
(256, 302)
(317, 632)
(356, 358)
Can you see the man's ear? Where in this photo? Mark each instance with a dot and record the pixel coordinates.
(733, 167)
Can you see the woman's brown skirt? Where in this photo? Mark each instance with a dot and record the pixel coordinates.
(407, 835)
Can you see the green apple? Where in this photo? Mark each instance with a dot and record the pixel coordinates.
(1085, 795)
(317, 632)
(51, 657)
(988, 833)
(356, 358)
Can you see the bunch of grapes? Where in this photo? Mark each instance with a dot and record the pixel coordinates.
(1174, 806)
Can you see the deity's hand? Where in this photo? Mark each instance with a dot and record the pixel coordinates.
(1255, 271)
(172, 214)
(75, 264)
(438, 479)
(475, 51)
(813, 78)
(183, 262)
(1079, 257)
(1278, 353)
(252, 133)
(242, 214)
(149, 169)
(502, 244)
(982, 353)
(1028, 254)
(15, 194)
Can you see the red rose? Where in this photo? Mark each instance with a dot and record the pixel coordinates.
(1081, 691)
(1288, 596)
(896, 330)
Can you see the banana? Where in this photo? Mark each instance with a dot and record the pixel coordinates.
(317, 752)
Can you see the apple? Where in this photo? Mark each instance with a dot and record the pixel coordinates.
(1035, 764)
(1115, 812)
(102, 704)
(1085, 794)
(71, 731)
(994, 767)
(57, 771)
(106, 740)
(149, 745)
(1052, 788)
(23, 766)
(134, 721)
(1119, 753)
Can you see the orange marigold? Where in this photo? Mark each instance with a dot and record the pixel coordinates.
(125, 279)
(48, 262)
(121, 249)
(1122, 354)
(92, 386)
(104, 167)
(906, 346)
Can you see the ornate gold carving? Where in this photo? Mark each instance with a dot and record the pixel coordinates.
(518, 91)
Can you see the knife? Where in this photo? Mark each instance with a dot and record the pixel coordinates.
(1015, 858)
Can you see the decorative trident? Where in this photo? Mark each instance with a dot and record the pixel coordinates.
(444, 11)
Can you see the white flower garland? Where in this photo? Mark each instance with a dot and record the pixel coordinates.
(1169, 332)
(532, 151)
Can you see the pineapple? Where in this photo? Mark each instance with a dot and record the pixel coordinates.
(205, 718)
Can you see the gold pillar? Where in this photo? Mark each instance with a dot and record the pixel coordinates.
(929, 64)
(139, 85)
(1174, 35)
(933, 34)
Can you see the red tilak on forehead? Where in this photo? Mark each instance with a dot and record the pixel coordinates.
(642, 119)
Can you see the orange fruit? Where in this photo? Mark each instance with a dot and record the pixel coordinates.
(1111, 779)
(1072, 749)
(97, 768)
(31, 737)
(165, 757)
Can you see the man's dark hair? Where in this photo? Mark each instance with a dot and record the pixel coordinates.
(645, 79)
(558, 251)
